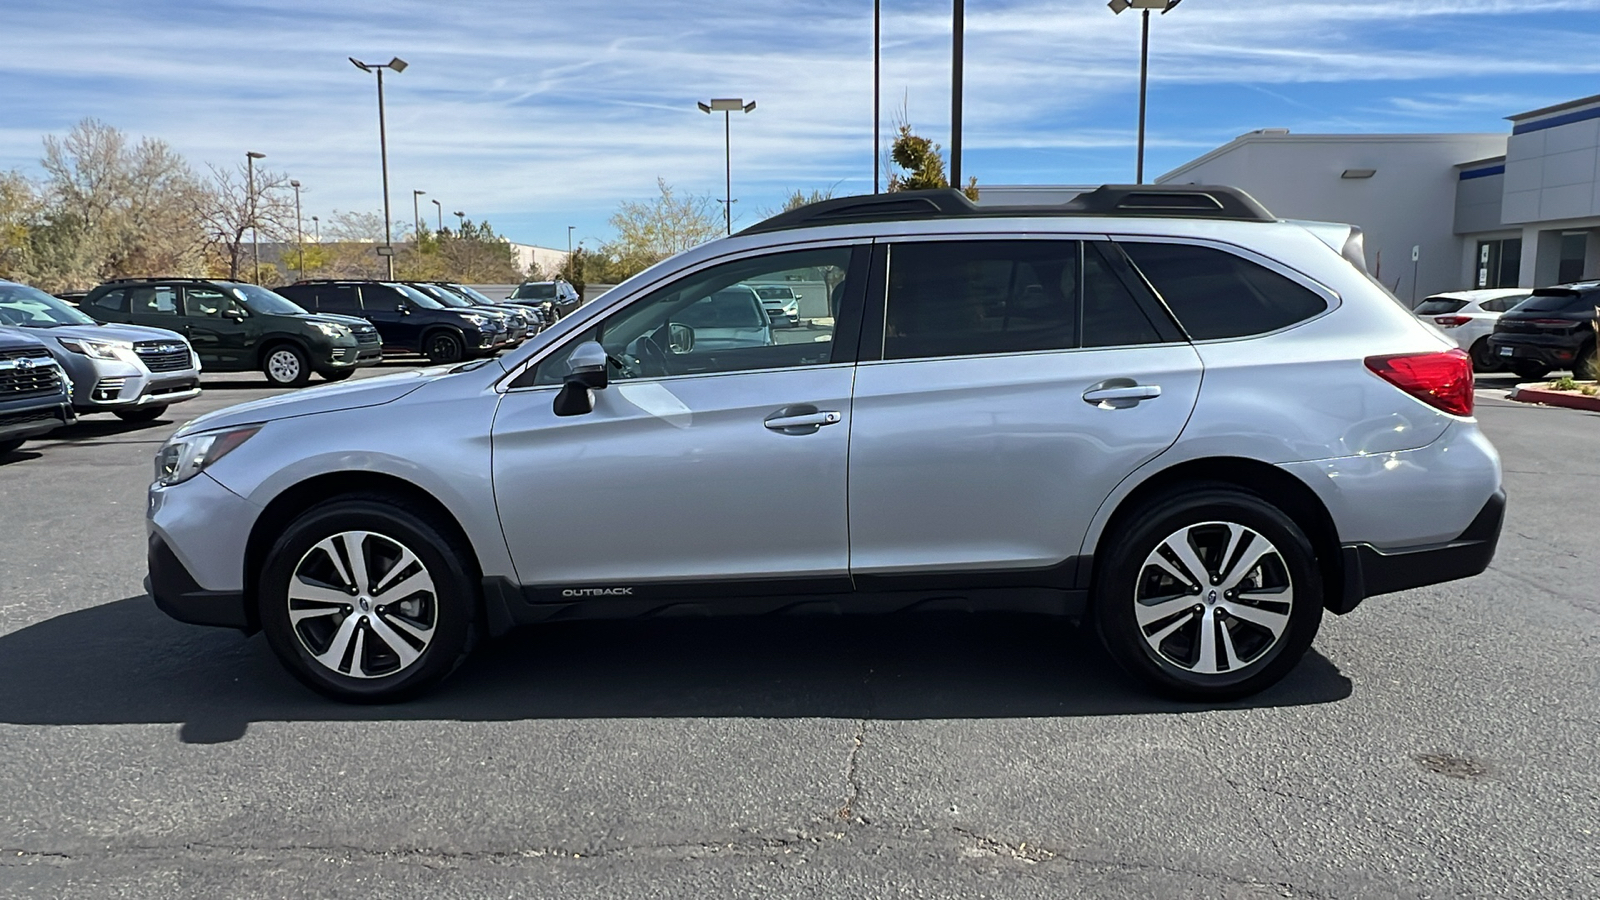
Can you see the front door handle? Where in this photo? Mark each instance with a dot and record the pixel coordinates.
(1122, 396)
(801, 419)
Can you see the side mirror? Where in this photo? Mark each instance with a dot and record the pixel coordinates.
(403, 308)
(233, 312)
(587, 374)
(680, 339)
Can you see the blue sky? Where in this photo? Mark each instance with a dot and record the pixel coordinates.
(538, 115)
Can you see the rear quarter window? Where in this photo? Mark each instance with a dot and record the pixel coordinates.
(1440, 306)
(1215, 294)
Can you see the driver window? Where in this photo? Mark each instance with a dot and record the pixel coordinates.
(205, 303)
(717, 320)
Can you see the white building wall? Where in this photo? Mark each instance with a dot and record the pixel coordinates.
(1409, 200)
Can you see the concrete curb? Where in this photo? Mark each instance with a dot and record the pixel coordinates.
(1526, 393)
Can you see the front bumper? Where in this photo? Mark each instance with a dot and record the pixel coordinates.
(28, 418)
(1369, 571)
(177, 594)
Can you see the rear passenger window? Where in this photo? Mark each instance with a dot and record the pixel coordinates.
(338, 299)
(1215, 294)
(977, 297)
(154, 301)
(1111, 316)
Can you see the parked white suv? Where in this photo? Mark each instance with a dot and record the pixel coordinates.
(1158, 408)
(1469, 317)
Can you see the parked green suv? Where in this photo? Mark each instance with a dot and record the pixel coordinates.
(237, 327)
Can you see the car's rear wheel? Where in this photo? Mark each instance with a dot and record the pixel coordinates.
(143, 414)
(366, 600)
(444, 347)
(285, 366)
(11, 446)
(1532, 371)
(1209, 593)
(1483, 358)
(1583, 368)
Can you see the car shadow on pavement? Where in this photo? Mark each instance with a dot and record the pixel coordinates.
(86, 429)
(126, 662)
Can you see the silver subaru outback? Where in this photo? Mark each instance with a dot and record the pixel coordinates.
(1159, 409)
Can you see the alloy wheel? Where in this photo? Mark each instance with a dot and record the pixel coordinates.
(363, 605)
(283, 366)
(1213, 598)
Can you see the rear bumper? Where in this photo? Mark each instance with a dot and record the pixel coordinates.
(1369, 571)
(1552, 351)
(177, 594)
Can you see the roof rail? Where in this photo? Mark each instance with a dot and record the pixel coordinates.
(147, 278)
(1187, 201)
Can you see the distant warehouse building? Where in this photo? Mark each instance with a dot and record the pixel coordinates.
(1476, 210)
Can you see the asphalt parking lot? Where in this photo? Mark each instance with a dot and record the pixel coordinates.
(1437, 743)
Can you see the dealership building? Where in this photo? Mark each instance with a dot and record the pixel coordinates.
(1440, 211)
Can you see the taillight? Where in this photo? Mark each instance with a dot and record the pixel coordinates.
(1451, 321)
(1563, 324)
(1441, 380)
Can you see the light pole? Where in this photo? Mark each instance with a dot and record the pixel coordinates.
(250, 157)
(299, 233)
(461, 221)
(958, 34)
(416, 215)
(726, 107)
(439, 208)
(569, 240)
(316, 226)
(877, 90)
(1144, 7)
(398, 65)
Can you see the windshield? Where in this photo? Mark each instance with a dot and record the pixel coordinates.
(264, 302)
(775, 293)
(476, 296)
(417, 297)
(545, 291)
(440, 294)
(33, 308)
(1549, 303)
(1438, 306)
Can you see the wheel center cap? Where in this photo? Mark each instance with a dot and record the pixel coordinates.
(1211, 599)
(366, 605)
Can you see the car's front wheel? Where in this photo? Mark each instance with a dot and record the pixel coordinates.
(285, 366)
(445, 347)
(1209, 593)
(1483, 358)
(367, 600)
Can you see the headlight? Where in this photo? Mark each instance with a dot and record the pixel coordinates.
(180, 459)
(333, 330)
(99, 349)
(476, 319)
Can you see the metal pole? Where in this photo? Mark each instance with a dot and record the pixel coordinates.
(1144, 75)
(383, 152)
(316, 227)
(727, 138)
(877, 90)
(250, 203)
(416, 216)
(959, 28)
(299, 230)
(569, 240)
(439, 208)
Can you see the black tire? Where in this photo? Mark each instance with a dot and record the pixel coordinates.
(9, 447)
(1483, 358)
(1529, 369)
(444, 347)
(1175, 665)
(1583, 367)
(338, 375)
(143, 414)
(452, 606)
(285, 365)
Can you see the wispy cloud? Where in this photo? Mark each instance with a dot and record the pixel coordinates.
(542, 114)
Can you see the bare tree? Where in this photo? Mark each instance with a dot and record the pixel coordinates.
(650, 231)
(19, 210)
(231, 209)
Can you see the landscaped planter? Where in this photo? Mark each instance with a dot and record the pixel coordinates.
(1540, 392)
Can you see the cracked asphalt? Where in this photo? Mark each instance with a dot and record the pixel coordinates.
(1437, 743)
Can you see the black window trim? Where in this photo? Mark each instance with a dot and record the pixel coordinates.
(846, 327)
(1328, 294)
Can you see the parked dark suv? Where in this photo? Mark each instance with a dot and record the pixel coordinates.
(556, 298)
(237, 327)
(407, 319)
(35, 396)
(1553, 329)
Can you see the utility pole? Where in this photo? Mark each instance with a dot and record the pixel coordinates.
(956, 49)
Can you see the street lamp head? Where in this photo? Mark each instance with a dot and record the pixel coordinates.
(1121, 6)
(704, 108)
(420, 193)
(294, 184)
(750, 107)
(254, 155)
(398, 65)
(359, 64)
(1171, 5)
(458, 213)
(725, 105)
(437, 203)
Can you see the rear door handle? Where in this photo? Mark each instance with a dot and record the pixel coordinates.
(1119, 397)
(801, 419)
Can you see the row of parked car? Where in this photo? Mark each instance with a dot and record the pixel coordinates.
(134, 347)
(1530, 333)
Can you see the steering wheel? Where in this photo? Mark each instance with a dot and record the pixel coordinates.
(652, 359)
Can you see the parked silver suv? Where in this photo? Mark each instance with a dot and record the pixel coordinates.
(1158, 408)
